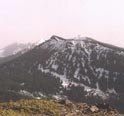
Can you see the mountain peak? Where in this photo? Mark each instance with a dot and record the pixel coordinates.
(57, 38)
(74, 40)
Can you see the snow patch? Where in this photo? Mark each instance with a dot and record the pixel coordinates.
(112, 91)
(40, 41)
(22, 84)
(76, 73)
(54, 66)
(26, 93)
(120, 53)
(101, 71)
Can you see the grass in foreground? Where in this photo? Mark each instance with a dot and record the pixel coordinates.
(43, 108)
(31, 108)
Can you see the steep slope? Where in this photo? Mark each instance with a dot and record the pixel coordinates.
(79, 69)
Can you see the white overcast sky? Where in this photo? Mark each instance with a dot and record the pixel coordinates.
(32, 20)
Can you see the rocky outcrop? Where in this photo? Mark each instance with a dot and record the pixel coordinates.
(83, 109)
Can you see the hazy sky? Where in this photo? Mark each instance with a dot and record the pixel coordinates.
(32, 20)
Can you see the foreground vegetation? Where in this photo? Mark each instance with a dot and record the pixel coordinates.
(48, 108)
(30, 108)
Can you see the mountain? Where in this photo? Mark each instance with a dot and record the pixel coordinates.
(14, 50)
(80, 69)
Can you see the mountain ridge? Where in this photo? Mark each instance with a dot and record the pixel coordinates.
(13, 51)
(78, 38)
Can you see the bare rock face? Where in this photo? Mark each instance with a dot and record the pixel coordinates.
(94, 109)
(83, 109)
(64, 101)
